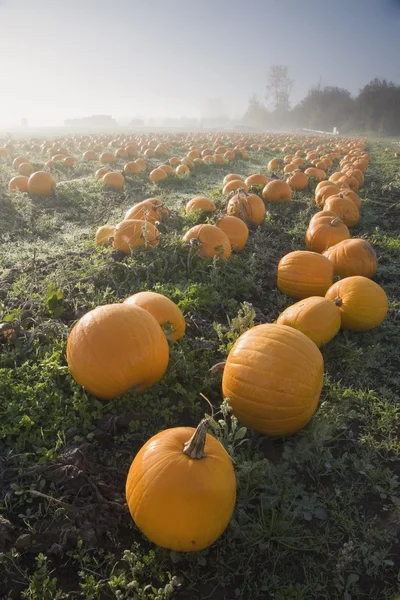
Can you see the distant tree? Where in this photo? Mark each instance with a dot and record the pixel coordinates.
(324, 109)
(256, 115)
(279, 88)
(378, 107)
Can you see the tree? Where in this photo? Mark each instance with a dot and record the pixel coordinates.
(378, 107)
(279, 87)
(256, 115)
(325, 108)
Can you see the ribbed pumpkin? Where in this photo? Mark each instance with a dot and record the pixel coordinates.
(315, 173)
(41, 183)
(362, 303)
(199, 203)
(322, 214)
(157, 175)
(181, 489)
(298, 181)
(114, 180)
(316, 317)
(277, 191)
(345, 209)
(211, 240)
(18, 184)
(132, 233)
(163, 310)
(324, 233)
(103, 234)
(273, 378)
(324, 193)
(144, 211)
(353, 196)
(116, 347)
(302, 274)
(233, 185)
(236, 230)
(256, 179)
(248, 207)
(353, 257)
(274, 164)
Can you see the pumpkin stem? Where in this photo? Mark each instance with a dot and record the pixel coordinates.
(335, 222)
(194, 448)
(338, 301)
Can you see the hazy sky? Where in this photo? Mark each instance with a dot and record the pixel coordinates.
(168, 57)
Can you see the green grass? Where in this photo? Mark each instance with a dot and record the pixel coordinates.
(317, 515)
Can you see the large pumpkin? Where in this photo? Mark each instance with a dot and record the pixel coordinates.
(353, 257)
(273, 378)
(116, 347)
(144, 211)
(248, 207)
(362, 303)
(236, 230)
(277, 191)
(316, 317)
(18, 184)
(103, 235)
(298, 180)
(131, 233)
(41, 183)
(181, 489)
(345, 209)
(200, 203)
(302, 274)
(210, 241)
(114, 179)
(324, 233)
(163, 310)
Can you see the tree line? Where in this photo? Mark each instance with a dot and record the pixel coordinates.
(376, 108)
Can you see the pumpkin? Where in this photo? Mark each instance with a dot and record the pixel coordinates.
(298, 180)
(18, 184)
(182, 171)
(248, 207)
(157, 175)
(233, 185)
(236, 230)
(318, 174)
(132, 167)
(114, 179)
(41, 183)
(116, 347)
(181, 489)
(25, 169)
(200, 203)
(168, 169)
(274, 164)
(211, 240)
(353, 257)
(142, 163)
(69, 162)
(108, 158)
(163, 310)
(103, 235)
(353, 196)
(345, 209)
(101, 172)
(19, 161)
(362, 303)
(132, 233)
(89, 155)
(232, 177)
(256, 179)
(121, 153)
(324, 233)
(144, 211)
(277, 191)
(273, 379)
(318, 318)
(322, 214)
(302, 274)
(324, 193)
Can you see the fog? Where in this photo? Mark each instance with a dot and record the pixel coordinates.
(178, 64)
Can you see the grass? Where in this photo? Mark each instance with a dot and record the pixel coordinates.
(317, 515)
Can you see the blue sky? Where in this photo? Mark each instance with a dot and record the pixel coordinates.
(168, 58)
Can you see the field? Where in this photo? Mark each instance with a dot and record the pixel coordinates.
(317, 513)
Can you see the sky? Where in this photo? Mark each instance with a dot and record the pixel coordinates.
(171, 58)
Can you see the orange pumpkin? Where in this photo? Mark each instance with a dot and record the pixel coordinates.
(316, 317)
(324, 233)
(182, 171)
(157, 175)
(25, 169)
(163, 310)
(116, 347)
(132, 233)
(353, 257)
(114, 179)
(362, 303)
(103, 235)
(324, 193)
(108, 158)
(18, 184)
(132, 167)
(279, 399)
(181, 489)
(345, 209)
(274, 164)
(302, 274)
(236, 230)
(143, 211)
(298, 180)
(101, 172)
(256, 179)
(248, 207)
(200, 203)
(209, 241)
(41, 183)
(233, 185)
(277, 191)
